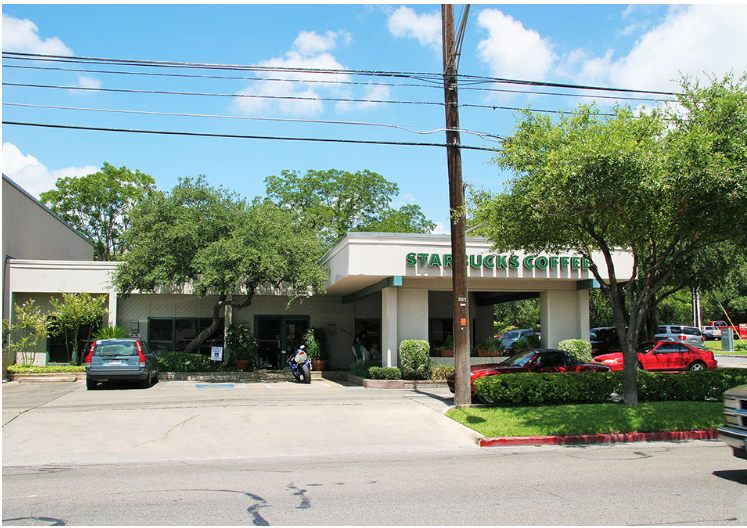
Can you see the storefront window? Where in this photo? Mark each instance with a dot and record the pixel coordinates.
(168, 334)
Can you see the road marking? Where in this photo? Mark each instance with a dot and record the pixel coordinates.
(321, 383)
(266, 384)
(215, 386)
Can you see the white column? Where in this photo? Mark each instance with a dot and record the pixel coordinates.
(564, 314)
(412, 314)
(389, 343)
(112, 308)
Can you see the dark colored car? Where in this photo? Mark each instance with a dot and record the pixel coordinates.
(510, 337)
(541, 360)
(120, 359)
(604, 340)
(663, 355)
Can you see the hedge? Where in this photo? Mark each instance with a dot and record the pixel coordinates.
(415, 357)
(189, 362)
(592, 387)
(384, 373)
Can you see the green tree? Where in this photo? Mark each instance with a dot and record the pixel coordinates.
(30, 327)
(662, 185)
(76, 311)
(98, 205)
(211, 241)
(334, 202)
(519, 314)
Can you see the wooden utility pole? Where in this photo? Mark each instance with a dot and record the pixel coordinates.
(462, 394)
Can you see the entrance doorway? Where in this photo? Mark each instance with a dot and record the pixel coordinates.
(278, 335)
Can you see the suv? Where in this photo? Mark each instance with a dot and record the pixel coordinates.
(512, 336)
(120, 359)
(680, 334)
(711, 332)
(734, 432)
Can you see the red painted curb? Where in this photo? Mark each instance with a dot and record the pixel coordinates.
(597, 439)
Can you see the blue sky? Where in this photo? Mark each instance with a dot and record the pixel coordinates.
(616, 45)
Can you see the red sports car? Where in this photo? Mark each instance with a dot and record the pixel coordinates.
(663, 355)
(542, 360)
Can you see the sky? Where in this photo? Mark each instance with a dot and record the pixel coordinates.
(630, 46)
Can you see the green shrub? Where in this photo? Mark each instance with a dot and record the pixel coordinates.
(189, 362)
(578, 348)
(384, 373)
(111, 332)
(313, 345)
(439, 372)
(593, 387)
(362, 369)
(48, 369)
(414, 355)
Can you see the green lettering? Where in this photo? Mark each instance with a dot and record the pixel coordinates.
(554, 262)
(564, 262)
(473, 263)
(447, 261)
(576, 263)
(423, 259)
(502, 262)
(529, 262)
(489, 261)
(513, 262)
(541, 262)
(584, 263)
(411, 260)
(435, 260)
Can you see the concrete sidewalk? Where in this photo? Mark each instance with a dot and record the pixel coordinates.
(61, 423)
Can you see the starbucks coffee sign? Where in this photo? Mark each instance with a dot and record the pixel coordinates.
(500, 261)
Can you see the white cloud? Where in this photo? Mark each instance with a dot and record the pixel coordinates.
(309, 51)
(22, 36)
(442, 229)
(88, 82)
(692, 39)
(511, 50)
(32, 175)
(405, 22)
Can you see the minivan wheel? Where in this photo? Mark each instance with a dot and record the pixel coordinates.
(91, 384)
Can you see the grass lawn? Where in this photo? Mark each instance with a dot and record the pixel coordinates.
(715, 347)
(591, 418)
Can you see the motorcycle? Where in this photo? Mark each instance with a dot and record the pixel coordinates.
(300, 365)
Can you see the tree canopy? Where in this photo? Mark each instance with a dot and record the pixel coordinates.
(663, 184)
(334, 202)
(216, 243)
(98, 205)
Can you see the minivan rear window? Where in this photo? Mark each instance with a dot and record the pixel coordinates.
(115, 348)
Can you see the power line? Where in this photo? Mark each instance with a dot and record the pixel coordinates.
(483, 135)
(280, 97)
(242, 136)
(431, 77)
(322, 81)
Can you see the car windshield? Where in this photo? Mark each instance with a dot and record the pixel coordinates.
(645, 348)
(115, 348)
(602, 334)
(520, 359)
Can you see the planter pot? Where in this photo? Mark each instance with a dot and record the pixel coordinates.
(241, 364)
(486, 353)
(447, 353)
(319, 365)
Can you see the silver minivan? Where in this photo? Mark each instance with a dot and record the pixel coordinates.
(120, 359)
(689, 335)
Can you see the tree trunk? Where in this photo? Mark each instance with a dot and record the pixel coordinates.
(197, 342)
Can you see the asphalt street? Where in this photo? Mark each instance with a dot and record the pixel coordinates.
(186, 453)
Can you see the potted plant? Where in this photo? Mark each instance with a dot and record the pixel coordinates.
(242, 346)
(447, 349)
(490, 347)
(314, 350)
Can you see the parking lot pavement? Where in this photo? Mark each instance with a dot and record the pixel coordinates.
(58, 423)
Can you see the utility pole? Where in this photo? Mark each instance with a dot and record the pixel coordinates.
(462, 393)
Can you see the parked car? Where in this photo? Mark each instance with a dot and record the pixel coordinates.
(120, 359)
(711, 332)
(680, 334)
(734, 431)
(663, 355)
(541, 360)
(604, 340)
(512, 336)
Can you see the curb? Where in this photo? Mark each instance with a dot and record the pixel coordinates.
(597, 439)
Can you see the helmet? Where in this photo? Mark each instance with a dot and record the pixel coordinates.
(302, 347)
